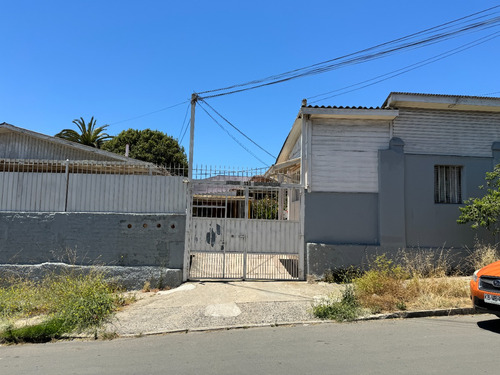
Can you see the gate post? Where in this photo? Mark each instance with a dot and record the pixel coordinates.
(302, 244)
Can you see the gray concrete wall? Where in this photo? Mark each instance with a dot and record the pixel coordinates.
(92, 238)
(391, 169)
(322, 257)
(341, 218)
(130, 278)
(432, 225)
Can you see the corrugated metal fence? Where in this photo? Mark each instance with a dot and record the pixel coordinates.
(55, 186)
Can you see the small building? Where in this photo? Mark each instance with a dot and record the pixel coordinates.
(392, 177)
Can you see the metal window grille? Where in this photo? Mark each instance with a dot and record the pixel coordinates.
(447, 184)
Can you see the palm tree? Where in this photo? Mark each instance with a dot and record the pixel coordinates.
(89, 135)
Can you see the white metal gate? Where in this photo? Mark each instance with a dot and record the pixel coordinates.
(245, 228)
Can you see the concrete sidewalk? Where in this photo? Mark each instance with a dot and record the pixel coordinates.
(212, 305)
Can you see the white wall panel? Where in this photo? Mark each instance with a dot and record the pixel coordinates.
(439, 132)
(345, 154)
(239, 235)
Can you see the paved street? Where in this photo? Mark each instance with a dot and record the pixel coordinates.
(450, 345)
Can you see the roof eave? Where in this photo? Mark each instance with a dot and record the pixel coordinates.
(351, 113)
(442, 102)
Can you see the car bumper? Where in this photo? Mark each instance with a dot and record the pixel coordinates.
(481, 307)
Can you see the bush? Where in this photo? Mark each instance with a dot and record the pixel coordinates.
(70, 302)
(347, 309)
(383, 287)
(342, 275)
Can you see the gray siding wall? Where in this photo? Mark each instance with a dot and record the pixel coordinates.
(432, 225)
(445, 132)
(344, 154)
(22, 146)
(336, 218)
(109, 239)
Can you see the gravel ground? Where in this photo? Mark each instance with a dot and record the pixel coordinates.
(214, 305)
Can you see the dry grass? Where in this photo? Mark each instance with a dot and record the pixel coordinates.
(426, 262)
(481, 255)
(419, 283)
(439, 293)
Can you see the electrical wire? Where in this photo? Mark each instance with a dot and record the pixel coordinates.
(184, 124)
(149, 113)
(406, 69)
(185, 131)
(445, 32)
(491, 93)
(231, 135)
(238, 130)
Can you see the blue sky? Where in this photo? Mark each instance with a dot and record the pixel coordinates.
(118, 60)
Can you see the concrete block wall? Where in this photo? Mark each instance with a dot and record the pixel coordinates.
(93, 238)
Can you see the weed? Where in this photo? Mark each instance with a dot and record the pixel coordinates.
(147, 287)
(481, 255)
(38, 333)
(383, 287)
(426, 262)
(432, 293)
(70, 302)
(347, 309)
(342, 275)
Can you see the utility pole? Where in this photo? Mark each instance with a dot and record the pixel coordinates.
(189, 195)
(194, 99)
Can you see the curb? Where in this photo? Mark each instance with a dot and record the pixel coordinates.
(421, 314)
(396, 315)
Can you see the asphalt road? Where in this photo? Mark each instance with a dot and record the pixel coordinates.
(450, 345)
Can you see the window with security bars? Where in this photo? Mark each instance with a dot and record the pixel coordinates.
(447, 184)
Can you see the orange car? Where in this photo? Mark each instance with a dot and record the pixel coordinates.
(485, 289)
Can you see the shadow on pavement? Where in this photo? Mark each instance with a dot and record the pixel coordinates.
(492, 325)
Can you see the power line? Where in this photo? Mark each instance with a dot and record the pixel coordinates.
(149, 113)
(444, 32)
(406, 69)
(238, 130)
(491, 93)
(184, 123)
(232, 136)
(185, 130)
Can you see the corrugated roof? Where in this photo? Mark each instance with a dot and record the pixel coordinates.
(341, 107)
(68, 144)
(443, 95)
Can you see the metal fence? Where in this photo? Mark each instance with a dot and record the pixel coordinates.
(90, 186)
(245, 224)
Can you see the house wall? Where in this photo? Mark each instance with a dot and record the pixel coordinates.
(397, 210)
(22, 146)
(433, 225)
(341, 218)
(344, 154)
(109, 239)
(296, 149)
(447, 132)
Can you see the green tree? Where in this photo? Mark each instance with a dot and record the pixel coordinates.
(89, 135)
(484, 212)
(148, 145)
